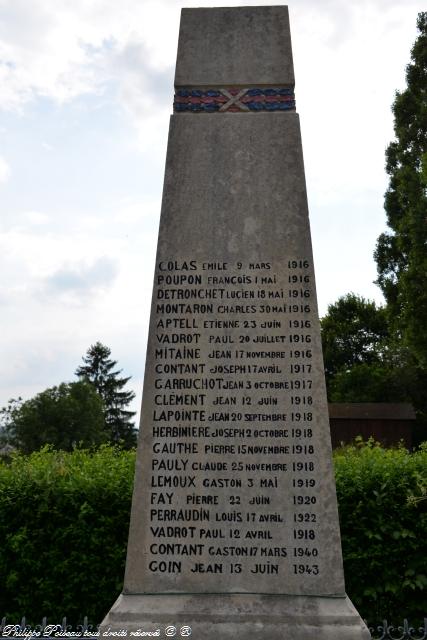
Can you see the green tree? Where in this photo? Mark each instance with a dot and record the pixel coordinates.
(98, 370)
(380, 354)
(377, 382)
(6, 423)
(362, 362)
(64, 416)
(401, 252)
(353, 332)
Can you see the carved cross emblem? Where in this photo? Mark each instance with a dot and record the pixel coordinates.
(253, 99)
(233, 99)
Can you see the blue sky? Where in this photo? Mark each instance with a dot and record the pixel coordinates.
(86, 91)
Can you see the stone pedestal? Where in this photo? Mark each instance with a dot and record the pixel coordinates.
(234, 528)
(228, 616)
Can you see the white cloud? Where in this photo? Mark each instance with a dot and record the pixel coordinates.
(59, 291)
(36, 218)
(63, 50)
(80, 280)
(5, 171)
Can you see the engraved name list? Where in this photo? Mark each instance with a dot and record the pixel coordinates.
(233, 487)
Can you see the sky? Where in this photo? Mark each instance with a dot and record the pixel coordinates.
(86, 90)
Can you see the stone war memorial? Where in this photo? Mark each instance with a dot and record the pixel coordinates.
(234, 529)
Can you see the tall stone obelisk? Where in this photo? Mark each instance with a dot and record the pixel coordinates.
(234, 529)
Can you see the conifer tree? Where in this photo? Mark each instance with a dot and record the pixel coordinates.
(401, 253)
(99, 370)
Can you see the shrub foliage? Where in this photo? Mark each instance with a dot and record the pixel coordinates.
(383, 514)
(63, 532)
(64, 525)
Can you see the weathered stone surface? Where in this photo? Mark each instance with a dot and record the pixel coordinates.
(234, 527)
(227, 617)
(235, 208)
(226, 46)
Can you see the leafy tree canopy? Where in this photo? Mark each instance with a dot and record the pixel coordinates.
(363, 362)
(65, 416)
(98, 370)
(401, 252)
(380, 354)
(353, 332)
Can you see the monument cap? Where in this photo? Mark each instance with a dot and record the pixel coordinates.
(222, 47)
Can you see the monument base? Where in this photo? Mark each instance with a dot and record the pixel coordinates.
(237, 617)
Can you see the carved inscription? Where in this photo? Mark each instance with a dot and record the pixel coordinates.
(233, 481)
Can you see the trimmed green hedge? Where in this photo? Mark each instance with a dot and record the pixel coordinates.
(383, 514)
(64, 521)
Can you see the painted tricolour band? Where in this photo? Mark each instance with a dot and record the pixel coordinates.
(234, 100)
